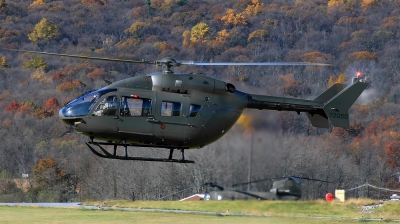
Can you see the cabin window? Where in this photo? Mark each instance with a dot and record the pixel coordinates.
(169, 109)
(194, 110)
(135, 107)
(107, 107)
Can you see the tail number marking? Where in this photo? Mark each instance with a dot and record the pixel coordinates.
(339, 116)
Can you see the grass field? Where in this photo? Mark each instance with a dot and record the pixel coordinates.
(349, 209)
(225, 212)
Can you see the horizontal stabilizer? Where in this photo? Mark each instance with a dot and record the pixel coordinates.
(318, 120)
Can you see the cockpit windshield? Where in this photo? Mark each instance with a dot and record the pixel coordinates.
(82, 105)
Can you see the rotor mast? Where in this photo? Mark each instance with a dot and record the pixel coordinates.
(167, 64)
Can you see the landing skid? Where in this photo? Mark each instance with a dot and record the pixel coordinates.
(103, 153)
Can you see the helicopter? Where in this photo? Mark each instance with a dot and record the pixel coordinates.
(285, 189)
(179, 111)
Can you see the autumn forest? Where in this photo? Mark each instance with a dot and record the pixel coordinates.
(38, 162)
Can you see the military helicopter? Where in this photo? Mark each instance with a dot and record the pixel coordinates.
(184, 111)
(285, 188)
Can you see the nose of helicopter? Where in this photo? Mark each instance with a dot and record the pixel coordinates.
(66, 119)
(61, 115)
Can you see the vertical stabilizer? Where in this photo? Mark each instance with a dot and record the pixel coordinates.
(337, 109)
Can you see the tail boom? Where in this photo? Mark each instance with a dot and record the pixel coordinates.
(331, 105)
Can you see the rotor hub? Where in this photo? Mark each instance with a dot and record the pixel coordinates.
(167, 63)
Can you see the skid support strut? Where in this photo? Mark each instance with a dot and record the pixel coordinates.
(103, 153)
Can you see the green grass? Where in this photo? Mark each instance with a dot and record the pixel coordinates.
(227, 212)
(19, 215)
(350, 209)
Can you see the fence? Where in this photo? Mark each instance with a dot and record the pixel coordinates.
(370, 191)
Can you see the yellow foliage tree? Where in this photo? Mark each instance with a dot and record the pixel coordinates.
(136, 28)
(245, 122)
(36, 62)
(348, 3)
(40, 76)
(2, 5)
(335, 2)
(44, 30)
(200, 33)
(363, 55)
(341, 79)
(316, 56)
(370, 4)
(254, 8)
(219, 41)
(37, 2)
(222, 36)
(186, 38)
(230, 18)
(129, 43)
(164, 6)
(3, 62)
(258, 35)
(270, 23)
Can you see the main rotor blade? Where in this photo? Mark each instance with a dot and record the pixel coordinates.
(250, 182)
(84, 57)
(312, 179)
(254, 63)
(172, 62)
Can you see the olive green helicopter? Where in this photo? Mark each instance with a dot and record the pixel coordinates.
(179, 111)
(286, 188)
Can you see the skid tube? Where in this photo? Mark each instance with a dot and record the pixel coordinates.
(105, 154)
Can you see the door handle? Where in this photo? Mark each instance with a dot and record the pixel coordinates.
(151, 119)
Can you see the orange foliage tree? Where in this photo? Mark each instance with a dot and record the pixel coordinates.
(58, 76)
(316, 56)
(7, 123)
(340, 132)
(341, 79)
(51, 104)
(92, 2)
(136, 29)
(69, 86)
(37, 2)
(47, 174)
(98, 73)
(254, 8)
(28, 108)
(13, 107)
(218, 44)
(392, 150)
(367, 4)
(230, 18)
(258, 35)
(363, 55)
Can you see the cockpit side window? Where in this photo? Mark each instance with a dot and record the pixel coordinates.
(82, 105)
(135, 107)
(107, 107)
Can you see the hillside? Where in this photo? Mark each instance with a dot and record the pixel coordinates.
(352, 35)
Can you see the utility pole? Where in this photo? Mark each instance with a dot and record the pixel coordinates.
(249, 163)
